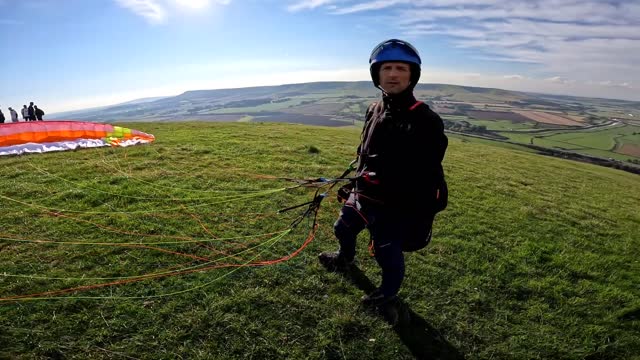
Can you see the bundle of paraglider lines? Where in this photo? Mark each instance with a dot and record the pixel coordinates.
(45, 241)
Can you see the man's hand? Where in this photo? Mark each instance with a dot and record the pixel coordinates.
(344, 192)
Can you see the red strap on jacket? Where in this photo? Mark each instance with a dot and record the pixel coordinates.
(415, 105)
(367, 177)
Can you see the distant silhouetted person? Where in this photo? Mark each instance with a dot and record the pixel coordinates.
(25, 113)
(1, 117)
(32, 112)
(14, 115)
(39, 113)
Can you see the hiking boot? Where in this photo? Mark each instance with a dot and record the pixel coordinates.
(335, 262)
(377, 299)
(388, 307)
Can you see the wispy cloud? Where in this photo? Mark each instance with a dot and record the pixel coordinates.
(199, 4)
(148, 9)
(577, 39)
(157, 11)
(368, 6)
(560, 80)
(308, 4)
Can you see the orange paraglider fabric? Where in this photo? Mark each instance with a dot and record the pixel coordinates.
(18, 138)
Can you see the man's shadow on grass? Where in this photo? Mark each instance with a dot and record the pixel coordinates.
(423, 340)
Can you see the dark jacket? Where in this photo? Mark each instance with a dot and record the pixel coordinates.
(403, 145)
(39, 113)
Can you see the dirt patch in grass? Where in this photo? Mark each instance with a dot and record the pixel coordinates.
(629, 149)
(549, 118)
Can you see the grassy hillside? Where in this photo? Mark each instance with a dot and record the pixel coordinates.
(176, 250)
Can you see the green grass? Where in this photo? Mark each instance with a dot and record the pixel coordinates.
(535, 257)
(600, 142)
(602, 139)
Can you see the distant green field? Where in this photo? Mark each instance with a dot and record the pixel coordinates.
(602, 139)
(534, 258)
(593, 142)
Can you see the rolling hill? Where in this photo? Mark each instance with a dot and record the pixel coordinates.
(332, 101)
(601, 131)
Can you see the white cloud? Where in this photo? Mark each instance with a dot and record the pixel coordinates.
(609, 83)
(193, 4)
(558, 80)
(149, 9)
(199, 4)
(157, 11)
(367, 6)
(308, 4)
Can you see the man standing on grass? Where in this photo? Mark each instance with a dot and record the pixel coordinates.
(399, 185)
(25, 113)
(39, 113)
(31, 111)
(14, 115)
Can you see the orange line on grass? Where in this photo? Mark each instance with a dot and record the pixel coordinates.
(308, 240)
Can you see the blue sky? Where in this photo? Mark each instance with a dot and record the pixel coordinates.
(72, 54)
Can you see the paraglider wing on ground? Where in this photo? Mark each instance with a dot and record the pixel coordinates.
(40, 137)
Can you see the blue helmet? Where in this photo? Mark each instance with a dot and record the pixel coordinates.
(394, 50)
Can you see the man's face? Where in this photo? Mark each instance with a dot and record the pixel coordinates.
(395, 77)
